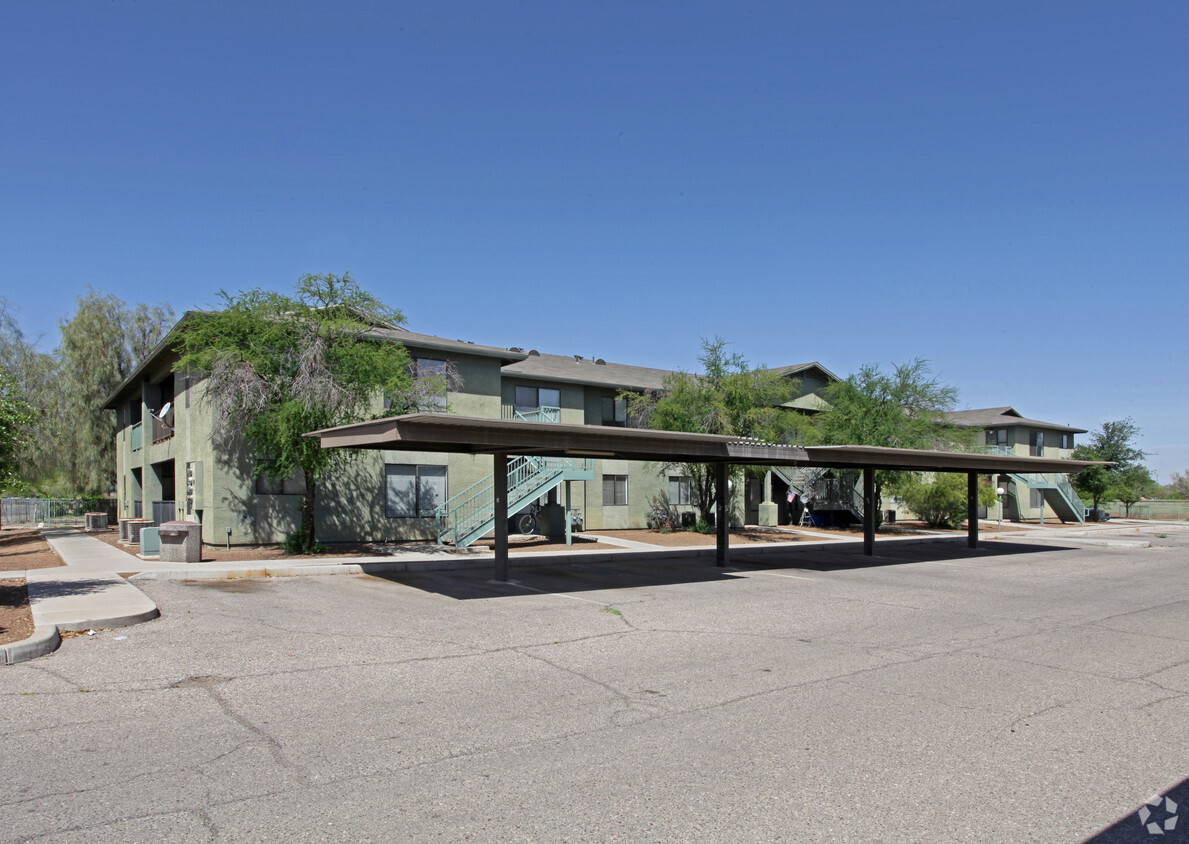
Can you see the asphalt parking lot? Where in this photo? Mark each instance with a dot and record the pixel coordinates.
(1015, 693)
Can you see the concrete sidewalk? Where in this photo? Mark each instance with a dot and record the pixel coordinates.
(87, 593)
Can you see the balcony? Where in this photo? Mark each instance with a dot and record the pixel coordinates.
(162, 426)
(530, 414)
(137, 436)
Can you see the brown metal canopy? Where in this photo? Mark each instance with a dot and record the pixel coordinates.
(473, 435)
(501, 437)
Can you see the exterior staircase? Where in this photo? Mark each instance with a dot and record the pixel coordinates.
(1058, 492)
(470, 514)
(837, 493)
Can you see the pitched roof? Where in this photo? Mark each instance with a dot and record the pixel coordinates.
(1002, 417)
(575, 369)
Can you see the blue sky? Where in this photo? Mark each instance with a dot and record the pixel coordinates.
(998, 187)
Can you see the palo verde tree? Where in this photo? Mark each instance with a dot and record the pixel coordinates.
(277, 367)
(1127, 479)
(902, 409)
(727, 397)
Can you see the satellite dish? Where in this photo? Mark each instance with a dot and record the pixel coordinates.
(165, 409)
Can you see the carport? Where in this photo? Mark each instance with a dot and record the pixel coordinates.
(501, 438)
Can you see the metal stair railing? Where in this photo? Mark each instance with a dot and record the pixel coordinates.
(469, 514)
(1056, 482)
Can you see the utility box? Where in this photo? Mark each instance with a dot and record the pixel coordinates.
(96, 521)
(181, 542)
(194, 488)
(135, 526)
(150, 541)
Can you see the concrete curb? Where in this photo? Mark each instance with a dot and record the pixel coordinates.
(43, 641)
(1102, 543)
(522, 561)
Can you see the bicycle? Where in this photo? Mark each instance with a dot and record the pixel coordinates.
(530, 521)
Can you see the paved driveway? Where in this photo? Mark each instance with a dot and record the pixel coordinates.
(1016, 693)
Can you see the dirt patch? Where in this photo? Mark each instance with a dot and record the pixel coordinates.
(16, 622)
(243, 553)
(25, 548)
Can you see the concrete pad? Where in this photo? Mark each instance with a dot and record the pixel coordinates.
(82, 600)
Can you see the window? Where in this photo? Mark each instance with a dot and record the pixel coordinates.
(531, 399)
(997, 436)
(615, 490)
(432, 377)
(1067, 441)
(615, 412)
(295, 484)
(413, 491)
(679, 490)
(1037, 447)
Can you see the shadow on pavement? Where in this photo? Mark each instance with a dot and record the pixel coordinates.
(1165, 817)
(633, 571)
(66, 588)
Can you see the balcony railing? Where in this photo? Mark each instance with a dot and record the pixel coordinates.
(164, 511)
(539, 414)
(163, 427)
(137, 436)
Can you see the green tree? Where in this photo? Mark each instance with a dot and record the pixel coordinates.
(16, 418)
(277, 367)
(728, 397)
(1115, 443)
(1179, 488)
(941, 501)
(32, 380)
(100, 345)
(902, 409)
(1131, 485)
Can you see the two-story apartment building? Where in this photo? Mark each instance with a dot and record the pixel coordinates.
(1027, 497)
(170, 464)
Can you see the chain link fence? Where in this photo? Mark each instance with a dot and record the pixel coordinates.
(1159, 510)
(53, 512)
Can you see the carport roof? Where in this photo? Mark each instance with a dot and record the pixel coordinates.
(471, 435)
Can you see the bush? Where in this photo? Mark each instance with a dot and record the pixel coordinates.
(704, 527)
(662, 516)
(942, 501)
(299, 542)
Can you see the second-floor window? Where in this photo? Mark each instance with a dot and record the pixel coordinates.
(535, 400)
(431, 375)
(997, 436)
(1037, 446)
(1067, 441)
(615, 412)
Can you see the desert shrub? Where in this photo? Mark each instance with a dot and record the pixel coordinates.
(299, 542)
(941, 502)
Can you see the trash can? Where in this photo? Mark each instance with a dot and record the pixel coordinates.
(181, 542)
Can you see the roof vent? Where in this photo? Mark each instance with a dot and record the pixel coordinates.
(577, 357)
(600, 362)
(515, 349)
(534, 352)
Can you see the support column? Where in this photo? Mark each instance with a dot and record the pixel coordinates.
(722, 519)
(500, 491)
(569, 528)
(869, 508)
(972, 509)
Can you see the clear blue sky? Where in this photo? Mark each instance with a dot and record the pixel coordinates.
(999, 187)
